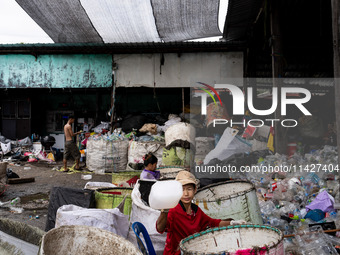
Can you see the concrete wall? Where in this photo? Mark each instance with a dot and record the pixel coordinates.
(178, 70)
(134, 70)
(55, 71)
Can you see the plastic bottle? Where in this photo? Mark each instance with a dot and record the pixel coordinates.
(290, 208)
(267, 208)
(281, 224)
(11, 202)
(313, 178)
(299, 197)
(15, 201)
(300, 148)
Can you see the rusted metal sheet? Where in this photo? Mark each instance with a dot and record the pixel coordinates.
(56, 71)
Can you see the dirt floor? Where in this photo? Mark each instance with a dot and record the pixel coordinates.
(34, 196)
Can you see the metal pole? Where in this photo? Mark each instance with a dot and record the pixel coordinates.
(336, 62)
(277, 73)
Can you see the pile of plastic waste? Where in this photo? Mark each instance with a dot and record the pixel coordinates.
(312, 240)
(299, 192)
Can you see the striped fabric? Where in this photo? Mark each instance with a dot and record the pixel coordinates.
(114, 21)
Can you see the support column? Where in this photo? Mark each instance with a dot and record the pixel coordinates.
(336, 64)
(277, 73)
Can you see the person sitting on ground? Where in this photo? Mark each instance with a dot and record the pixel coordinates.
(150, 164)
(70, 148)
(186, 218)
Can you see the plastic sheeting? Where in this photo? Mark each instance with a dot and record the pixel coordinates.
(64, 21)
(122, 21)
(184, 20)
(64, 196)
(228, 145)
(115, 21)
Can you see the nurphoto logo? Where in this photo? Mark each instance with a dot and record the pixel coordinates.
(239, 104)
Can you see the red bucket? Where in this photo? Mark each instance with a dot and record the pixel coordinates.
(291, 149)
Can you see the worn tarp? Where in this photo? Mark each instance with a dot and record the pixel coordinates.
(63, 20)
(119, 21)
(183, 20)
(112, 21)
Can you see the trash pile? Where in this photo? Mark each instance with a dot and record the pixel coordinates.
(312, 240)
(124, 148)
(13, 149)
(26, 150)
(299, 192)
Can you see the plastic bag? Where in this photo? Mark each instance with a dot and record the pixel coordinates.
(50, 156)
(25, 142)
(6, 148)
(228, 145)
(323, 201)
(104, 125)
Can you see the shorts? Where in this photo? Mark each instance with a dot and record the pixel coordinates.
(71, 150)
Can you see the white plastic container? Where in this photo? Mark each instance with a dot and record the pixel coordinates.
(165, 194)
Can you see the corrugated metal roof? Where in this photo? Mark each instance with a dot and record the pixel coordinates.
(240, 16)
(312, 84)
(114, 48)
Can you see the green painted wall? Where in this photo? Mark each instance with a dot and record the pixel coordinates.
(56, 71)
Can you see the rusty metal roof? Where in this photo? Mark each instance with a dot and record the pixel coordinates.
(121, 48)
(240, 17)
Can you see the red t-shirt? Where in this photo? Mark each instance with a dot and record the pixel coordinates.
(181, 225)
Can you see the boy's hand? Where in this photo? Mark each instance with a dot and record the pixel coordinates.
(237, 222)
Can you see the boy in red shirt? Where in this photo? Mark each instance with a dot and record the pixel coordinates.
(186, 218)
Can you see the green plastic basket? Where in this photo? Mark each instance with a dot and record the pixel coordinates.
(129, 177)
(111, 198)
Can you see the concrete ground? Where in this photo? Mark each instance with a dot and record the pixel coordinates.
(35, 195)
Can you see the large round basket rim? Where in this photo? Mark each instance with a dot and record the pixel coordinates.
(253, 226)
(252, 187)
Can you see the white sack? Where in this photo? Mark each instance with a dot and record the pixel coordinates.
(5, 147)
(98, 185)
(12, 245)
(148, 217)
(112, 220)
(103, 155)
(137, 150)
(180, 131)
(258, 145)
